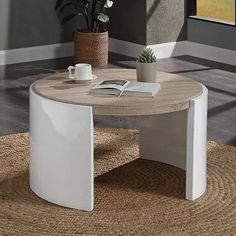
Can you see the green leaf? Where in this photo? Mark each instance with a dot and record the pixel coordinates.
(102, 2)
(63, 7)
(78, 5)
(59, 3)
(103, 18)
(147, 56)
(68, 18)
(142, 59)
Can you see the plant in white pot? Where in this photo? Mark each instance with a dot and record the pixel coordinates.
(146, 66)
(91, 43)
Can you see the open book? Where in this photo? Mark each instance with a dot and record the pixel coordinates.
(123, 87)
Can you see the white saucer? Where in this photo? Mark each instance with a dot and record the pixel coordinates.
(84, 81)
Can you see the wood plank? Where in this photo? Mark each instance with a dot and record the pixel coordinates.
(175, 93)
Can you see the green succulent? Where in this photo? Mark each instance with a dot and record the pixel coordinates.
(147, 56)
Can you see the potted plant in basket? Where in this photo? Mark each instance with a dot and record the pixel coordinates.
(146, 66)
(91, 43)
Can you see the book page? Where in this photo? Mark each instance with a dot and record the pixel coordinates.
(119, 84)
(142, 87)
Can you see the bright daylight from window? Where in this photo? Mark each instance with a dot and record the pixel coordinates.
(218, 10)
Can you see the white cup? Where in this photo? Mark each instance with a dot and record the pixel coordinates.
(80, 71)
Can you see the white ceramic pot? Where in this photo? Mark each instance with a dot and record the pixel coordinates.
(146, 72)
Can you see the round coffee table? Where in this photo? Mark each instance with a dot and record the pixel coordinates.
(172, 130)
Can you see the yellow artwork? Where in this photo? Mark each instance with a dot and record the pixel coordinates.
(223, 10)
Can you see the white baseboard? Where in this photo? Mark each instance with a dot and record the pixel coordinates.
(19, 55)
(173, 49)
(164, 50)
(13, 56)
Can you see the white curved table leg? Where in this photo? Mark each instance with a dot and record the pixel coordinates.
(179, 139)
(196, 146)
(61, 152)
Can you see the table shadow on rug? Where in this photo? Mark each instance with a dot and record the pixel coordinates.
(134, 181)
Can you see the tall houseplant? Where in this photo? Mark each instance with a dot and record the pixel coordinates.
(91, 42)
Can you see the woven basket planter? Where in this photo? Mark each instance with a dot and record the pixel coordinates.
(91, 48)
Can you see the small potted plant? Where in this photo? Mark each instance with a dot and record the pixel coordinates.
(91, 43)
(146, 66)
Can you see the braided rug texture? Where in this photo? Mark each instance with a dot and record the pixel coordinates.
(138, 197)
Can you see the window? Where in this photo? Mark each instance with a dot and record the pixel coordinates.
(222, 11)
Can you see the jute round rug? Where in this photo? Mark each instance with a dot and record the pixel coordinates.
(138, 197)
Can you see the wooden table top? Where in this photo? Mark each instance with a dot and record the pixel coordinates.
(175, 94)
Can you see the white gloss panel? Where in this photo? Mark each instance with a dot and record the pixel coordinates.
(179, 139)
(163, 138)
(61, 152)
(196, 146)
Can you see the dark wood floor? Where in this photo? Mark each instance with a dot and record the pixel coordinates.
(220, 80)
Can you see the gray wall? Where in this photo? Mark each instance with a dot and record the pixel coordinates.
(149, 21)
(166, 21)
(211, 33)
(128, 21)
(27, 23)
(4, 22)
